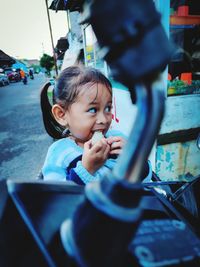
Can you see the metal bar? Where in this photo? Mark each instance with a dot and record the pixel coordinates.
(150, 103)
(51, 35)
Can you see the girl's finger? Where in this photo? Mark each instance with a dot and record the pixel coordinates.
(116, 151)
(88, 144)
(113, 139)
(116, 145)
(100, 145)
(106, 151)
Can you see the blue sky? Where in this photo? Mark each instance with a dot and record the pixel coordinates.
(24, 28)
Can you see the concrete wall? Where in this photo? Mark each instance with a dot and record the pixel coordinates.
(182, 112)
(179, 160)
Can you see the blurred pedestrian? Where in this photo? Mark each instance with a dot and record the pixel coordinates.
(22, 74)
(31, 74)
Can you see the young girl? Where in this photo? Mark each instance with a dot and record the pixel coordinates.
(82, 106)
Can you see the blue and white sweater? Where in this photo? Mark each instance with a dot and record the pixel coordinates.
(63, 162)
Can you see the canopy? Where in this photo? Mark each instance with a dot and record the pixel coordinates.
(5, 60)
(71, 5)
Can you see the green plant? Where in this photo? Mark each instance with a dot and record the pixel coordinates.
(47, 62)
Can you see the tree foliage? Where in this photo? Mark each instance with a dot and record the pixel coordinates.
(47, 62)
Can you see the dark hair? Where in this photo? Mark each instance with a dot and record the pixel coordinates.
(67, 87)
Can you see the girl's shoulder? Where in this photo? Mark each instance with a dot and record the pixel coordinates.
(62, 152)
(61, 145)
(115, 133)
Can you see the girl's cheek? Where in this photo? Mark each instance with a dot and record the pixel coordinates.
(109, 119)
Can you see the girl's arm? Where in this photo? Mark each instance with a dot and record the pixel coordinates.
(80, 175)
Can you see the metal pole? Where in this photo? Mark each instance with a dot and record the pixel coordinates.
(50, 29)
(150, 103)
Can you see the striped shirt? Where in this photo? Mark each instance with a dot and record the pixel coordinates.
(63, 162)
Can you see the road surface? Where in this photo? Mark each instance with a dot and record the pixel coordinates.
(23, 140)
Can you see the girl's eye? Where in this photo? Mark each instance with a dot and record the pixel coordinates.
(108, 109)
(92, 110)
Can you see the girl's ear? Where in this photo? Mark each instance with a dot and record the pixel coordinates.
(59, 114)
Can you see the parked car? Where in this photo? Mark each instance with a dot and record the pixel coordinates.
(13, 76)
(4, 79)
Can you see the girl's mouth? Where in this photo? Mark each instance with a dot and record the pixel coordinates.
(99, 130)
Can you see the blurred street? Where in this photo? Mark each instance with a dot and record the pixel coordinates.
(23, 140)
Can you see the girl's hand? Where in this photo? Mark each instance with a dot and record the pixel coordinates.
(95, 156)
(116, 144)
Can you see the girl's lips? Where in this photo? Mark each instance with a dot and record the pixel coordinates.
(98, 130)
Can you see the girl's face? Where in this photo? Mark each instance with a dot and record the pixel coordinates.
(91, 112)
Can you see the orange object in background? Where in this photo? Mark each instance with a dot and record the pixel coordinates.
(22, 74)
(183, 11)
(186, 77)
(169, 77)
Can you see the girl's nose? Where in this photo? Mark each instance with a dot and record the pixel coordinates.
(101, 118)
